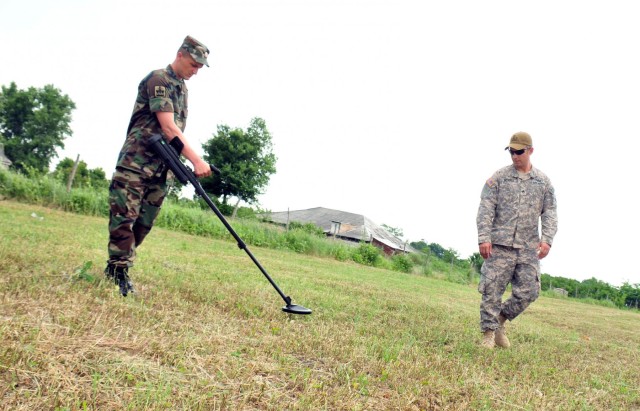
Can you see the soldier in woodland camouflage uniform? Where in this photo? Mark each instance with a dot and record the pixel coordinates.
(138, 186)
(513, 201)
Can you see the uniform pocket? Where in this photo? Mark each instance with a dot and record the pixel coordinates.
(481, 285)
(483, 279)
(486, 277)
(117, 196)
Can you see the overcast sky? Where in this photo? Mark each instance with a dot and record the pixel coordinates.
(396, 109)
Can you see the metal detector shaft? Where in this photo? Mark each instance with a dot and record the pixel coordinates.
(185, 175)
(241, 244)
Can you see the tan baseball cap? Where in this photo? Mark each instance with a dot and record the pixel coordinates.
(197, 50)
(519, 141)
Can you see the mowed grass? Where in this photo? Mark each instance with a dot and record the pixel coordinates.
(205, 331)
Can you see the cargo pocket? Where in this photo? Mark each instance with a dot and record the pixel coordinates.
(148, 214)
(118, 197)
(485, 278)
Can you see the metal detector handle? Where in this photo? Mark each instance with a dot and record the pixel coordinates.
(178, 145)
(170, 155)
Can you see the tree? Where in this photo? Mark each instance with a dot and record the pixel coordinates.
(84, 176)
(450, 255)
(245, 159)
(437, 250)
(33, 124)
(476, 261)
(394, 230)
(631, 295)
(596, 289)
(420, 245)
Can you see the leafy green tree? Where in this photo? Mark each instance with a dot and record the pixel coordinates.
(596, 289)
(33, 124)
(437, 250)
(630, 295)
(245, 159)
(420, 245)
(98, 178)
(450, 255)
(84, 177)
(476, 261)
(394, 230)
(570, 285)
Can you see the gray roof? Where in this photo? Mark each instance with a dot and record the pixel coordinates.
(355, 227)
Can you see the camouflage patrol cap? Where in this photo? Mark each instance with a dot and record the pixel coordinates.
(197, 50)
(519, 141)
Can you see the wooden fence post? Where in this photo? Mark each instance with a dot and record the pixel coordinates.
(73, 173)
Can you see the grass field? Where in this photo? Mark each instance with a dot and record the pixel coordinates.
(205, 331)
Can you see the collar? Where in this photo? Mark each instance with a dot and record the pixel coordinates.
(172, 74)
(533, 173)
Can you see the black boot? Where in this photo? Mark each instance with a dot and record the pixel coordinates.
(110, 272)
(123, 281)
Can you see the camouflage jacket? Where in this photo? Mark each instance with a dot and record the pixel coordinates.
(510, 209)
(160, 90)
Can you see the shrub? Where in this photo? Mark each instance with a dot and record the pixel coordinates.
(340, 252)
(296, 240)
(402, 263)
(307, 228)
(246, 213)
(366, 254)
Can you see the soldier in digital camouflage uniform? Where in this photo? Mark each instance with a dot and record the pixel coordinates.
(138, 186)
(513, 201)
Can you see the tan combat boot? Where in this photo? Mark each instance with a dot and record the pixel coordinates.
(501, 334)
(488, 341)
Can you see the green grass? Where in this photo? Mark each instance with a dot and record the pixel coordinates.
(205, 332)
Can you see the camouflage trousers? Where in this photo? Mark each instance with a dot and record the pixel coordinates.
(134, 204)
(517, 266)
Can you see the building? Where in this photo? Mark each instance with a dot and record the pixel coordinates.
(345, 226)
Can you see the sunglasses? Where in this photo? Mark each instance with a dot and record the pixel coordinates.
(517, 152)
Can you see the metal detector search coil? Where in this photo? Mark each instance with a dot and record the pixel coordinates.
(170, 155)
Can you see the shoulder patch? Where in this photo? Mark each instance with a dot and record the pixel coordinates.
(160, 91)
(491, 182)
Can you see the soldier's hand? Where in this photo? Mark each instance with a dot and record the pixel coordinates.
(543, 250)
(485, 250)
(201, 169)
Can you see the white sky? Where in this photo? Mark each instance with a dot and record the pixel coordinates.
(395, 109)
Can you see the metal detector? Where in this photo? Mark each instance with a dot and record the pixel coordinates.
(170, 155)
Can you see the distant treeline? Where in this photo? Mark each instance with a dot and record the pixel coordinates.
(591, 290)
(625, 296)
